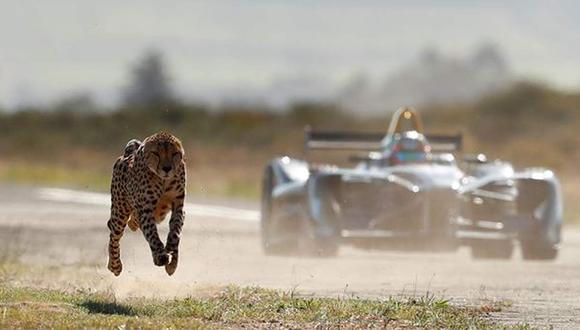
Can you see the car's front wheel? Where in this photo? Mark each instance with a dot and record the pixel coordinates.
(270, 237)
(307, 244)
(537, 251)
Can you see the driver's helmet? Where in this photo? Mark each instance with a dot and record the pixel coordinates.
(408, 147)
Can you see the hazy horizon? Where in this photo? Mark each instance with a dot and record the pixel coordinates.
(218, 50)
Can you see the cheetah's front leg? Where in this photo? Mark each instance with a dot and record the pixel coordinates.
(149, 229)
(175, 225)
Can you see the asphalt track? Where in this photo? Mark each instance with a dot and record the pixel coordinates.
(66, 231)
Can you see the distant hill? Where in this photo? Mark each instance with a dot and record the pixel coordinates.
(432, 78)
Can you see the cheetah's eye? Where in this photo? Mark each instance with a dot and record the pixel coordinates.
(155, 153)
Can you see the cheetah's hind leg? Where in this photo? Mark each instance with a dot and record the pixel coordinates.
(116, 225)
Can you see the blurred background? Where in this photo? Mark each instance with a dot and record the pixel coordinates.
(238, 82)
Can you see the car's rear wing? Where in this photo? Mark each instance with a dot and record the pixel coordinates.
(445, 143)
(371, 141)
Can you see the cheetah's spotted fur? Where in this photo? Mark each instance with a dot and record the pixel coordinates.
(148, 181)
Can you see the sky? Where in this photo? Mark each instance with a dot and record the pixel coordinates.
(49, 49)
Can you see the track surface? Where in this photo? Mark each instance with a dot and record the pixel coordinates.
(219, 249)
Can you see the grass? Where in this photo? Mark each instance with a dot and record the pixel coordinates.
(203, 181)
(230, 307)
(54, 175)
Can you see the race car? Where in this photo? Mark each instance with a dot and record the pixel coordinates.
(407, 192)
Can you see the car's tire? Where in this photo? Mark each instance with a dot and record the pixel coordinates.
(300, 241)
(308, 245)
(268, 233)
(501, 249)
(535, 251)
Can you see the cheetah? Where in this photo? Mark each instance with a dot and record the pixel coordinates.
(148, 181)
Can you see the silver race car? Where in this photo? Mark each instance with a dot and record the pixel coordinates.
(408, 192)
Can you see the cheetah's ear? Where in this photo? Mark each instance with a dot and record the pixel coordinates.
(131, 147)
(182, 152)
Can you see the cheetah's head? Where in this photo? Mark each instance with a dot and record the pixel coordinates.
(163, 154)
